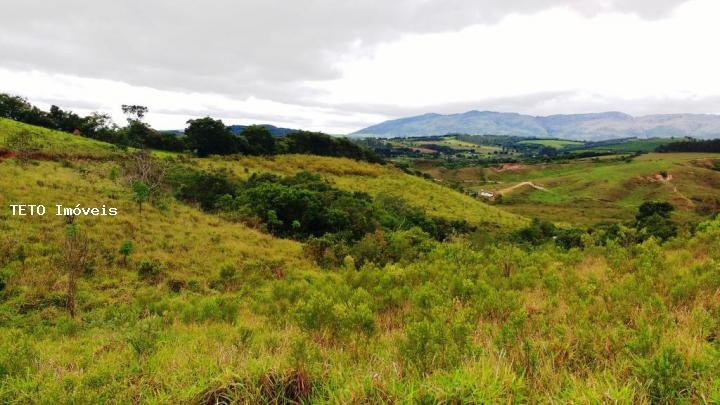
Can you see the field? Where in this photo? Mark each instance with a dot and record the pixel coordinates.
(553, 143)
(588, 191)
(211, 308)
(634, 145)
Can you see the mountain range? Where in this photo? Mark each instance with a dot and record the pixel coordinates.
(582, 127)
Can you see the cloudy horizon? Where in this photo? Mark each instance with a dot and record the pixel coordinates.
(341, 66)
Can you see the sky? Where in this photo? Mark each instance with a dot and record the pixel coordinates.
(341, 65)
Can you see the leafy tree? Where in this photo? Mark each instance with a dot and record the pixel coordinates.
(138, 133)
(317, 143)
(126, 249)
(569, 238)
(208, 136)
(653, 219)
(211, 190)
(259, 140)
(141, 192)
(134, 112)
(537, 233)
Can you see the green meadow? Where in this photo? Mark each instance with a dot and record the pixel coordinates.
(552, 143)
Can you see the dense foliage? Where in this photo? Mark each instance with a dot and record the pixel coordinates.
(205, 136)
(694, 145)
(305, 207)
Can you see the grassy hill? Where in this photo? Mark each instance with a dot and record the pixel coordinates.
(587, 191)
(56, 143)
(207, 308)
(375, 179)
(552, 143)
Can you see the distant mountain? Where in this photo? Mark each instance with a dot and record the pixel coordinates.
(275, 131)
(583, 127)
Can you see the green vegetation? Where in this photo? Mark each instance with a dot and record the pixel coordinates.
(692, 145)
(203, 136)
(588, 191)
(553, 143)
(306, 279)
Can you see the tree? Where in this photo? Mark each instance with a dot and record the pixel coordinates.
(76, 253)
(653, 219)
(134, 112)
(126, 249)
(208, 136)
(260, 141)
(138, 133)
(141, 192)
(144, 168)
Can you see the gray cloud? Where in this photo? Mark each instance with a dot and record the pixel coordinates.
(261, 48)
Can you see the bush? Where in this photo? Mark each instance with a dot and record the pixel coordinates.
(653, 220)
(666, 376)
(144, 335)
(149, 270)
(570, 238)
(537, 233)
(431, 344)
(337, 313)
(219, 309)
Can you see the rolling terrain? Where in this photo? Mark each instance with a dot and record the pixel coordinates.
(586, 191)
(212, 306)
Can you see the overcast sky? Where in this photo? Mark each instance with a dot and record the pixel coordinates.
(339, 66)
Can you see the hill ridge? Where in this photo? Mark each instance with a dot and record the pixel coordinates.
(584, 127)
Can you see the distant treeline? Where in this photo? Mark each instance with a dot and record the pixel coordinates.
(710, 145)
(204, 136)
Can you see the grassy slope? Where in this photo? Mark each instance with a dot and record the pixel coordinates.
(583, 340)
(56, 142)
(637, 145)
(374, 179)
(587, 191)
(553, 143)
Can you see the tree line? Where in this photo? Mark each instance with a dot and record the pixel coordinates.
(202, 136)
(694, 145)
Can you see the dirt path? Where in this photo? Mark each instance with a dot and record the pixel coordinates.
(523, 184)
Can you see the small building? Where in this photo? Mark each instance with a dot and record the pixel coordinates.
(487, 194)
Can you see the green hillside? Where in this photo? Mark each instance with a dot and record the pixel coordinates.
(180, 301)
(56, 143)
(552, 143)
(611, 188)
(376, 179)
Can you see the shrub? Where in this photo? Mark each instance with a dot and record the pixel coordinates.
(149, 270)
(144, 335)
(339, 314)
(570, 238)
(653, 219)
(126, 249)
(220, 309)
(17, 354)
(537, 233)
(430, 344)
(666, 376)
